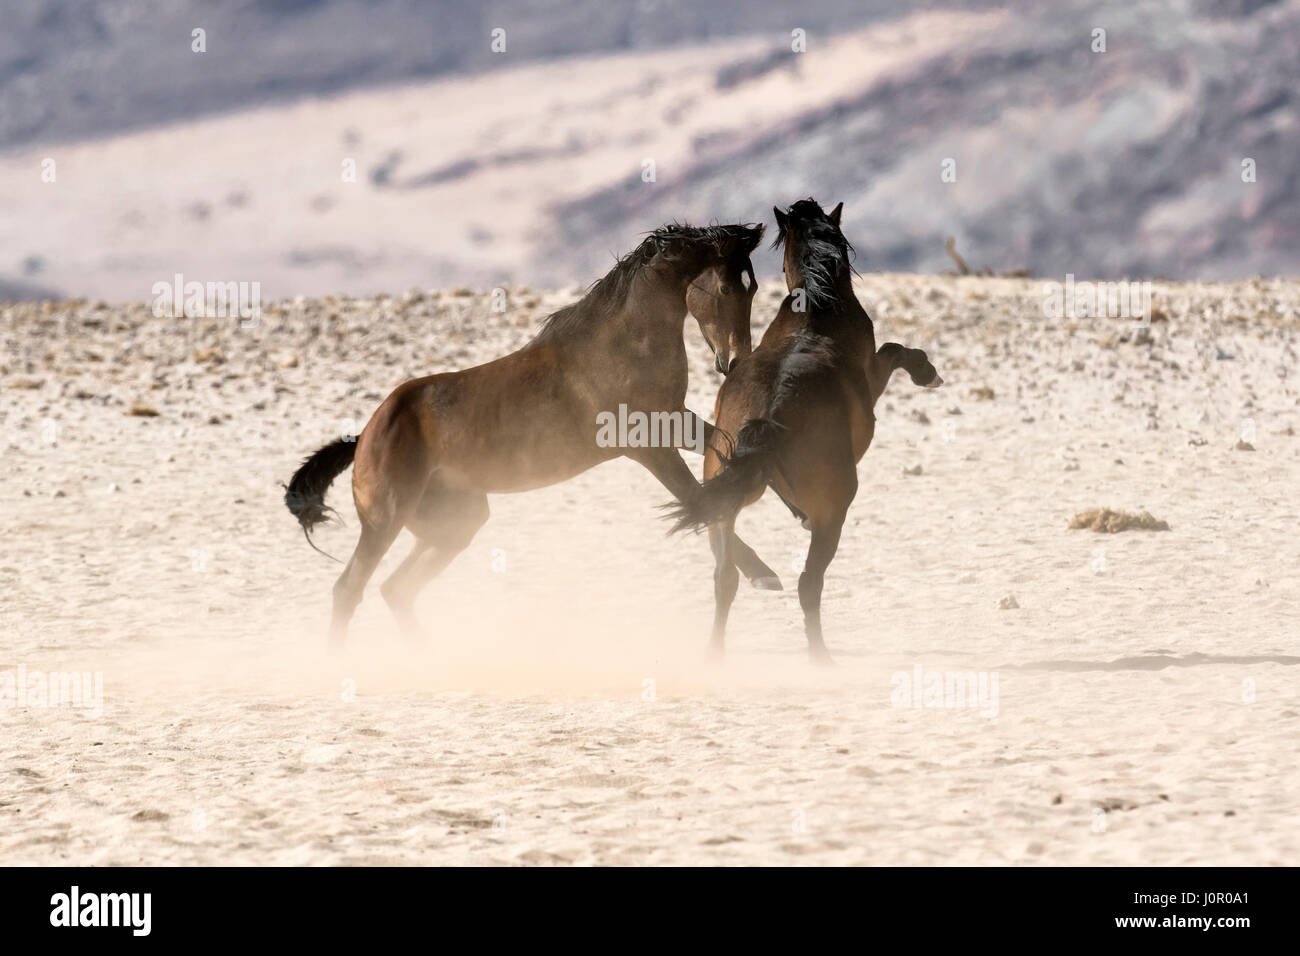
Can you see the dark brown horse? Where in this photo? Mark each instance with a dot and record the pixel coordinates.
(438, 446)
(802, 409)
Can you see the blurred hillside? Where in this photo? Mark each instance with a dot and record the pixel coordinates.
(531, 166)
(70, 69)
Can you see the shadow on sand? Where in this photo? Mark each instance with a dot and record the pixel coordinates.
(1154, 662)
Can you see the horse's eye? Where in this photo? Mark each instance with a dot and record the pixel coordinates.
(724, 289)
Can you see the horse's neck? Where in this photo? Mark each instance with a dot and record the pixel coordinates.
(857, 333)
(787, 322)
(648, 328)
(849, 327)
(655, 309)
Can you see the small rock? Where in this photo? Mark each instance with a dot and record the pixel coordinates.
(1114, 803)
(150, 816)
(1008, 603)
(915, 470)
(1243, 445)
(143, 411)
(1111, 521)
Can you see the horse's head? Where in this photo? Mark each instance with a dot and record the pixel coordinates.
(721, 292)
(816, 252)
(720, 298)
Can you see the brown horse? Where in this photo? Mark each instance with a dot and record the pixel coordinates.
(438, 446)
(801, 406)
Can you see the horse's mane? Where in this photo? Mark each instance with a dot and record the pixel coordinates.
(671, 243)
(822, 253)
(820, 249)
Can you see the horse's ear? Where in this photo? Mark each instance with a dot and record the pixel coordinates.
(834, 215)
(753, 236)
(780, 218)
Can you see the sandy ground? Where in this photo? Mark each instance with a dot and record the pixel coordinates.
(1146, 704)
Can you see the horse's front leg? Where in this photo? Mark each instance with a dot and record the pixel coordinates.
(674, 474)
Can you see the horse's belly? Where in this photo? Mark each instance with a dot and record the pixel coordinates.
(506, 474)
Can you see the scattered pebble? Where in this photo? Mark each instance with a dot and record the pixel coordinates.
(1114, 803)
(150, 816)
(1112, 522)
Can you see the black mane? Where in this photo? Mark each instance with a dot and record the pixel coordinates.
(820, 249)
(671, 244)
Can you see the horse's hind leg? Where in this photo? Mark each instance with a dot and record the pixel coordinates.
(825, 541)
(375, 541)
(726, 579)
(444, 525)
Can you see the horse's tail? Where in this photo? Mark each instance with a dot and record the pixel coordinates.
(748, 468)
(304, 496)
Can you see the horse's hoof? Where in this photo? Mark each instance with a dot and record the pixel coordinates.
(715, 654)
(934, 382)
(821, 657)
(768, 582)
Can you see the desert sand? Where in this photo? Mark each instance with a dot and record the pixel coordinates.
(564, 711)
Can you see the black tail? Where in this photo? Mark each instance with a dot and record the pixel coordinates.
(748, 468)
(304, 496)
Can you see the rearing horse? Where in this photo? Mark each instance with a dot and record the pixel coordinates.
(438, 446)
(801, 406)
